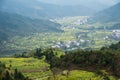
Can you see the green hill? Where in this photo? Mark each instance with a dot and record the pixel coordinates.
(111, 14)
(13, 24)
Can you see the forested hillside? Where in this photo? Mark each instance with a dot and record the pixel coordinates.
(111, 14)
(13, 24)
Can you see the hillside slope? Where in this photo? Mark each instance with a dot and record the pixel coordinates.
(111, 14)
(13, 24)
(37, 9)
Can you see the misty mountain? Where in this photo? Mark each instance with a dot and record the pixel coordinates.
(13, 24)
(111, 14)
(37, 9)
(93, 4)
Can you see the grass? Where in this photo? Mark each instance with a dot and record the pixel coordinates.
(38, 69)
(24, 63)
(31, 67)
(80, 75)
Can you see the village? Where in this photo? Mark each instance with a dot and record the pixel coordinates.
(115, 35)
(71, 45)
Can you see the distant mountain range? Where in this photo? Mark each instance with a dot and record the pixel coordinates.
(13, 24)
(37, 9)
(111, 14)
(93, 4)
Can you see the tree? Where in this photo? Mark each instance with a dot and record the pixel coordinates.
(7, 76)
(38, 53)
(18, 75)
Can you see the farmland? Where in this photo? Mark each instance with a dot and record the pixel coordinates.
(37, 69)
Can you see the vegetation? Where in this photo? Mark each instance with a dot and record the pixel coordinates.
(30, 67)
(6, 73)
(108, 15)
(104, 59)
(17, 25)
(100, 64)
(54, 64)
(32, 48)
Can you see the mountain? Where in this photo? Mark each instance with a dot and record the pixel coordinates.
(37, 9)
(111, 14)
(98, 4)
(13, 24)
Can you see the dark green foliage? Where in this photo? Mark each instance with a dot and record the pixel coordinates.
(18, 75)
(112, 47)
(38, 53)
(6, 74)
(91, 60)
(49, 54)
(2, 67)
(23, 55)
(115, 46)
(55, 61)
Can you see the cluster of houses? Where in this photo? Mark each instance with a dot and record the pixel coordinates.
(115, 35)
(71, 44)
(81, 21)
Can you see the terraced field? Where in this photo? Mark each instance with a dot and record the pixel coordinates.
(37, 69)
(31, 67)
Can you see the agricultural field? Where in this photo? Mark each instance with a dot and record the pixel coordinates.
(38, 69)
(30, 67)
(71, 20)
(81, 75)
(74, 29)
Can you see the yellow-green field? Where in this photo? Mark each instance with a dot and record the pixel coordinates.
(37, 69)
(31, 67)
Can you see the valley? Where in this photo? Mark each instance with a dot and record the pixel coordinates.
(69, 40)
(77, 34)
